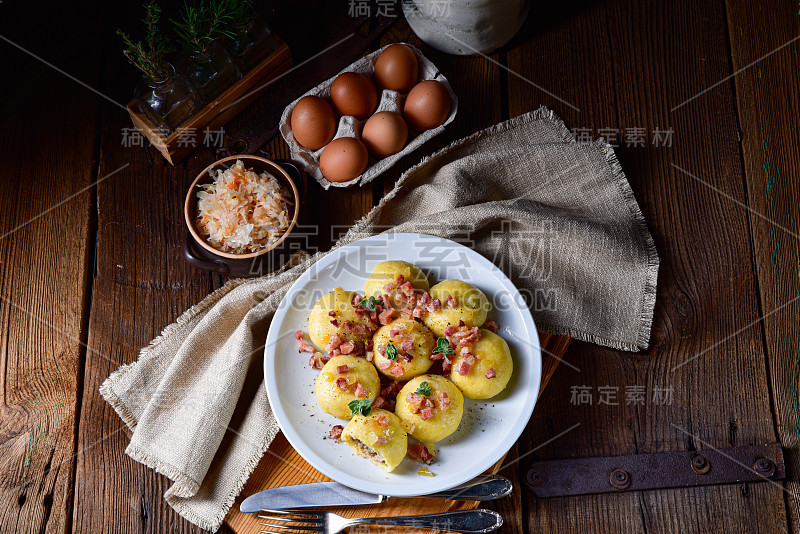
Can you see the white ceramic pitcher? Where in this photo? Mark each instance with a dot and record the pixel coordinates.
(465, 27)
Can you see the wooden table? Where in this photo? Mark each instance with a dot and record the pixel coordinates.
(702, 99)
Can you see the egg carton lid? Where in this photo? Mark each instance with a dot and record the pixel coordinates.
(351, 127)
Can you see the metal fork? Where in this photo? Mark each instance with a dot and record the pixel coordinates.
(305, 522)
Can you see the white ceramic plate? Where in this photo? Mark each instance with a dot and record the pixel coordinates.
(489, 428)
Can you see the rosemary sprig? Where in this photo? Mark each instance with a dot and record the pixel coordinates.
(201, 25)
(149, 57)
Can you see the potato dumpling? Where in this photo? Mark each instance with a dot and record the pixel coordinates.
(344, 379)
(467, 303)
(432, 417)
(491, 370)
(379, 437)
(322, 325)
(411, 340)
(387, 271)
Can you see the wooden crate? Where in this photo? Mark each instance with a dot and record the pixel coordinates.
(283, 466)
(187, 137)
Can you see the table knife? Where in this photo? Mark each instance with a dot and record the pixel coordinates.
(482, 488)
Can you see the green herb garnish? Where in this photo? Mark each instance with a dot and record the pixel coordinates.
(443, 347)
(369, 303)
(201, 25)
(360, 407)
(149, 56)
(424, 389)
(391, 352)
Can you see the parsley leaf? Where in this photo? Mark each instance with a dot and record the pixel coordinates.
(424, 389)
(360, 407)
(369, 303)
(443, 347)
(391, 352)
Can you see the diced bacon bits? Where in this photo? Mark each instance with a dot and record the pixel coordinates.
(348, 347)
(388, 288)
(361, 391)
(382, 420)
(299, 335)
(491, 326)
(446, 365)
(400, 279)
(450, 302)
(464, 369)
(491, 373)
(342, 369)
(434, 305)
(390, 392)
(407, 288)
(342, 384)
(368, 344)
(379, 402)
(332, 313)
(397, 370)
(407, 312)
(394, 332)
(385, 364)
(449, 330)
(369, 355)
(461, 323)
(335, 323)
(413, 398)
(420, 453)
(469, 359)
(407, 345)
(303, 346)
(336, 432)
(333, 343)
(443, 399)
(386, 316)
(426, 414)
(382, 349)
(381, 440)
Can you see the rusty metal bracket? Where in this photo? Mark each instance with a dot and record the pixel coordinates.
(582, 476)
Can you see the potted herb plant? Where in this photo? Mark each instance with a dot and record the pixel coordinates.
(251, 39)
(200, 29)
(163, 96)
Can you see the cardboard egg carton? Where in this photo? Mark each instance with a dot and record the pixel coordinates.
(351, 127)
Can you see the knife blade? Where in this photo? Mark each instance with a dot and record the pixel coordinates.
(321, 494)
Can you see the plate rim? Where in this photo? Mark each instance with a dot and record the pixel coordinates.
(387, 489)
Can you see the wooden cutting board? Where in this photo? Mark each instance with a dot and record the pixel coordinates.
(282, 466)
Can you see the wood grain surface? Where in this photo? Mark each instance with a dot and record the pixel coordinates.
(91, 266)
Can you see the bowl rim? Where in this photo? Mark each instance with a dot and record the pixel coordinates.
(189, 217)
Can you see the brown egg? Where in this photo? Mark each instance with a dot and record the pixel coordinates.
(427, 105)
(353, 94)
(313, 122)
(385, 133)
(343, 159)
(397, 68)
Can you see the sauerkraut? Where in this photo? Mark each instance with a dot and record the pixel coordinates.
(241, 211)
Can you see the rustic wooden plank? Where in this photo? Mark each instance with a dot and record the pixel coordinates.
(142, 284)
(625, 66)
(767, 98)
(46, 244)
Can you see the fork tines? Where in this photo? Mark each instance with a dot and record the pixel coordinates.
(292, 521)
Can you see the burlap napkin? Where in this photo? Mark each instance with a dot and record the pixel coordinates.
(557, 216)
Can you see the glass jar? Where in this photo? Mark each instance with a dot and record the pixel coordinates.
(252, 43)
(212, 72)
(168, 104)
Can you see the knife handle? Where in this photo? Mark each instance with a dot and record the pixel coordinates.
(481, 488)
